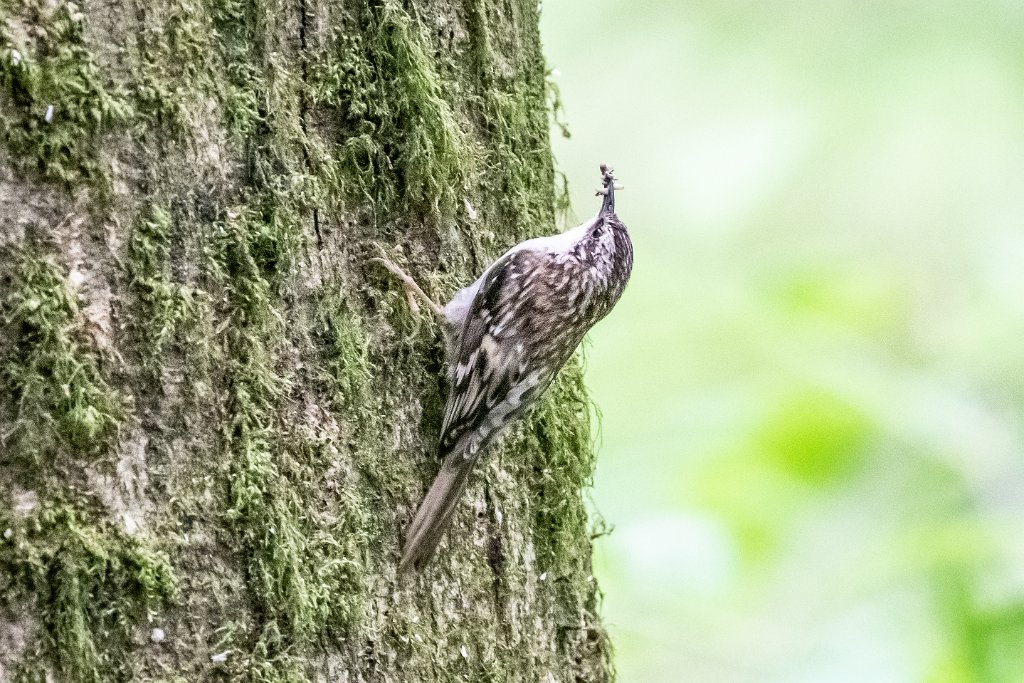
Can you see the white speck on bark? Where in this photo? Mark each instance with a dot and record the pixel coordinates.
(157, 635)
(220, 657)
(25, 502)
(48, 116)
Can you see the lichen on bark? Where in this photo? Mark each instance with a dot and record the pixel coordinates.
(216, 416)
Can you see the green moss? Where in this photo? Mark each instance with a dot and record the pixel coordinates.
(92, 586)
(89, 582)
(563, 461)
(363, 413)
(342, 333)
(46, 67)
(168, 308)
(62, 401)
(556, 108)
(173, 79)
(522, 172)
(249, 249)
(511, 112)
(557, 114)
(301, 567)
(400, 143)
(239, 47)
(197, 65)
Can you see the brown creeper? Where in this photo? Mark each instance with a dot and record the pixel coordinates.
(508, 335)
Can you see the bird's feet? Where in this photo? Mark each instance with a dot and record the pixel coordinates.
(412, 290)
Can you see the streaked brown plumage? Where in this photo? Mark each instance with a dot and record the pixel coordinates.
(509, 333)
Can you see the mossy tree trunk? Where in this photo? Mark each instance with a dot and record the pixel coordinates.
(215, 416)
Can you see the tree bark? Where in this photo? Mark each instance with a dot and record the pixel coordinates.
(216, 417)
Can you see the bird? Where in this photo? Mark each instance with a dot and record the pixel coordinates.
(507, 336)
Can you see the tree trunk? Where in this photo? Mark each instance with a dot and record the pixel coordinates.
(216, 417)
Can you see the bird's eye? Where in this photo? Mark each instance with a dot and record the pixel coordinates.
(597, 231)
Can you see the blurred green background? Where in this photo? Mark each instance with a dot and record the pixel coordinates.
(812, 448)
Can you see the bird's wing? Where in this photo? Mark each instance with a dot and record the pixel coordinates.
(498, 364)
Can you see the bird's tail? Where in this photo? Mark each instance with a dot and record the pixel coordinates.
(435, 513)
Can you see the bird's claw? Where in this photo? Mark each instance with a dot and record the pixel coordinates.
(412, 289)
